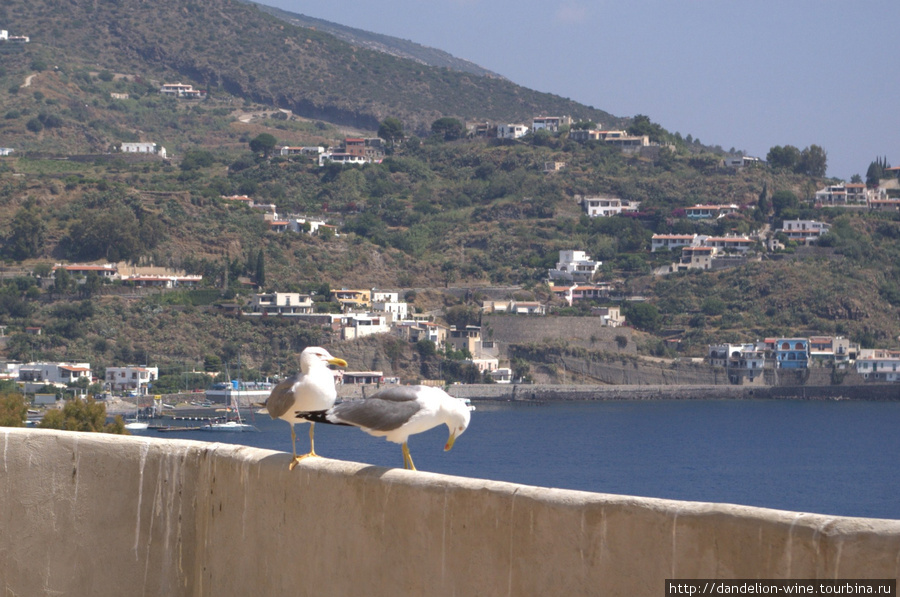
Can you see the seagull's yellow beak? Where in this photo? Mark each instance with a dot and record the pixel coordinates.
(450, 442)
(337, 362)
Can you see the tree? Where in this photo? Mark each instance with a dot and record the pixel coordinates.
(391, 130)
(783, 201)
(642, 125)
(91, 286)
(785, 158)
(264, 142)
(813, 162)
(82, 415)
(260, 269)
(61, 281)
(764, 206)
(643, 316)
(448, 128)
(27, 233)
(13, 409)
(876, 171)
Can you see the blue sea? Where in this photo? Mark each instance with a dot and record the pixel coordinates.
(827, 457)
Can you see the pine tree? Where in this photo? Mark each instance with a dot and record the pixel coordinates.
(260, 269)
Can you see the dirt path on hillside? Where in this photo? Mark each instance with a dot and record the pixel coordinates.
(28, 79)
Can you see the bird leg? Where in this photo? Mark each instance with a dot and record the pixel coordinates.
(312, 446)
(407, 458)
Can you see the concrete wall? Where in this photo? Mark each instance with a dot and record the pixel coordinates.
(586, 332)
(94, 515)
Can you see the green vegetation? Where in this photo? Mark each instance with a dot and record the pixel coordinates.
(82, 415)
(13, 409)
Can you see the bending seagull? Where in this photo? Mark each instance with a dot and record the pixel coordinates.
(310, 390)
(398, 412)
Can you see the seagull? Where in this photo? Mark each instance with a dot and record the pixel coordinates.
(398, 412)
(310, 390)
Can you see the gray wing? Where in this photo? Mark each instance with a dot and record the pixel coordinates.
(281, 399)
(385, 411)
(397, 393)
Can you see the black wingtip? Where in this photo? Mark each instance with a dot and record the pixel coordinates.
(317, 416)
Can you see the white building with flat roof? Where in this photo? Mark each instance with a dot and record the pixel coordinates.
(132, 378)
(152, 148)
(511, 131)
(575, 266)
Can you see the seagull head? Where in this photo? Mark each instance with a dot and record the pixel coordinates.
(457, 416)
(314, 356)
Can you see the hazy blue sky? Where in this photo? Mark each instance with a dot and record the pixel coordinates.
(748, 75)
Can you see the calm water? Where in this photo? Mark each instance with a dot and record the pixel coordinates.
(829, 457)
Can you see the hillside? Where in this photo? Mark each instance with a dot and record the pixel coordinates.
(225, 45)
(401, 48)
(441, 221)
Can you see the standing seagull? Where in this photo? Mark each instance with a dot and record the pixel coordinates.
(311, 389)
(398, 412)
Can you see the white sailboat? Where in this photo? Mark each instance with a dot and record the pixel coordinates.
(136, 424)
(235, 425)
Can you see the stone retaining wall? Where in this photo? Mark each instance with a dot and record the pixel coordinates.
(91, 514)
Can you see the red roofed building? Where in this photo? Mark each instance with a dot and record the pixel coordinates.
(54, 373)
(107, 270)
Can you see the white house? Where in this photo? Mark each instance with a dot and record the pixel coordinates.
(6, 150)
(701, 212)
(307, 150)
(511, 131)
(389, 302)
(663, 242)
(607, 206)
(879, 365)
(282, 303)
(4, 34)
(341, 158)
(163, 281)
(575, 292)
(180, 90)
(484, 365)
(721, 355)
(575, 266)
(132, 378)
(610, 316)
(741, 161)
(527, 308)
(736, 244)
(842, 194)
(54, 373)
(144, 148)
(359, 325)
(550, 123)
(515, 307)
(804, 231)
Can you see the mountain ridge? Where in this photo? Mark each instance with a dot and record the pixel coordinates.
(394, 46)
(241, 49)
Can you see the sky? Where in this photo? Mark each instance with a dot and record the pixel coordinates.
(747, 75)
